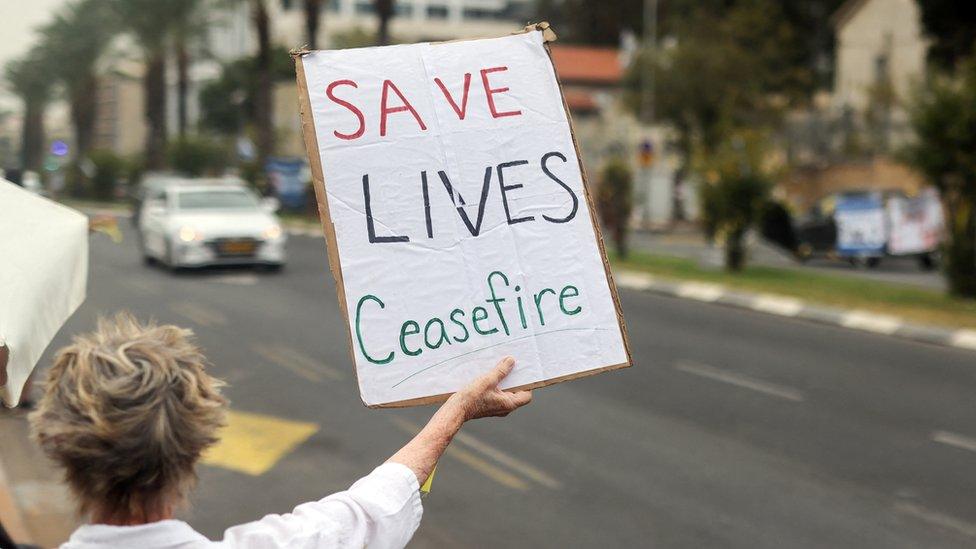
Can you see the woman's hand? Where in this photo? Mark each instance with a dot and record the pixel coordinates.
(483, 398)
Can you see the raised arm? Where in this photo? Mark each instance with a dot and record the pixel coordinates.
(382, 510)
(482, 398)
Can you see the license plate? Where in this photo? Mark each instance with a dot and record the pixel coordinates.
(237, 248)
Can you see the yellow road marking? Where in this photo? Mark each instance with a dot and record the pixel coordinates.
(297, 362)
(198, 314)
(495, 473)
(254, 443)
(529, 471)
(484, 467)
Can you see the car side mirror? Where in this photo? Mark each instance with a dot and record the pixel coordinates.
(271, 204)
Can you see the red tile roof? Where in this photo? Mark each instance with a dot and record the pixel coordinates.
(587, 64)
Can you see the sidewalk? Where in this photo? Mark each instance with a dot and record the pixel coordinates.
(796, 308)
(34, 504)
(689, 243)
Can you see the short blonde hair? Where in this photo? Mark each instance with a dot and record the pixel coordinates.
(127, 412)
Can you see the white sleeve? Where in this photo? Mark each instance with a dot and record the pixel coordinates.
(380, 511)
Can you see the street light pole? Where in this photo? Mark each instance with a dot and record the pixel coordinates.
(649, 50)
(647, 71)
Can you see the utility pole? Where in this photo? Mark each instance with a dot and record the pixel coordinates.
(647, 71)
(647, 57)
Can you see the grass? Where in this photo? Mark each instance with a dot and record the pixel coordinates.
(909, 302)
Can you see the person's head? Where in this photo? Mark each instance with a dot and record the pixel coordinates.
(127, 412)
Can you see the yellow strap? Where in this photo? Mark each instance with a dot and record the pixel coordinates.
(425, 489)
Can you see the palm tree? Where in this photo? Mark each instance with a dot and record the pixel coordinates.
(189, 30)
(28, 78)
(80, 35)
(264, 93)
(384, 12)
(313, 11)
(150, 23)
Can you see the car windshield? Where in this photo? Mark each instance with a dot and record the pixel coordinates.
(216, 200)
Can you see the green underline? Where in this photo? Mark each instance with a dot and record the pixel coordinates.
(495, 345)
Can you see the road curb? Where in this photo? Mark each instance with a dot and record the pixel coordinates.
(854, 319)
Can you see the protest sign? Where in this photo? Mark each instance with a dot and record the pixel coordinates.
(916, 223)
(458, 222)
(861, 228)
(44, 258)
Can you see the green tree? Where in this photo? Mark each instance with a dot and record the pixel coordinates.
(189, 31)
(950, 25)
(80, 34)
(29, 79)
(150, 23)
(313, 18)
(735, 192)
(615, 203)
(943, 117)
(384, 13)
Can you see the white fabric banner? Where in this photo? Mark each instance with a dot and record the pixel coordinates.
(43, 275)
(459, 210)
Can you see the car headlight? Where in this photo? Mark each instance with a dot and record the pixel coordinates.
(189, 234)
(272, 232)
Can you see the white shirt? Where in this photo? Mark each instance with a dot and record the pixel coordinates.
(381, 510)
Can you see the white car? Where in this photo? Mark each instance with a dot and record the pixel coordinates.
(185, 225)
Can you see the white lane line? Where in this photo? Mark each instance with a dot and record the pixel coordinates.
(965, 339)
(700, 291)
(938, 519)
(777, 305)
(871, 322)
(236, 279)
(716, 374)
(198, 314)
(952, 439)
(634, 281)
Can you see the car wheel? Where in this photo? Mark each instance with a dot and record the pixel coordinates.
(873, 262)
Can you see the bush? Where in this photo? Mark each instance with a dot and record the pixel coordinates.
(735, 201)
(615, 201)
(109, 168)
(197, 156)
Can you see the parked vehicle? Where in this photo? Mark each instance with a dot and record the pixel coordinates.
(192, 225)
(866, 226)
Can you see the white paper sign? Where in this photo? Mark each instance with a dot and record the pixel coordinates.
(460, 216)
(916, 224)
(43, 275)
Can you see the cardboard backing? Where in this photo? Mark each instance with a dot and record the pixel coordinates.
(335, 265)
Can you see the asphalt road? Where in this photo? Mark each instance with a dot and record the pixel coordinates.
(734, 429)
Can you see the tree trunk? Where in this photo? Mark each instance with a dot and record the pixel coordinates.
(182, 86)
(263, 96)
(313, 9)
(83, 105)
(32, 135)
(735, 250)
(384, 12)
(620, 237)
(959, 250)
(155, 93)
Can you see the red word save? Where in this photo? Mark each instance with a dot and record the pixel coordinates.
(392, 101)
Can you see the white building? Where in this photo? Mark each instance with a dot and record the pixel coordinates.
(877, 41)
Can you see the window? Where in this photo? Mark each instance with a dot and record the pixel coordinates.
(229, 199)
(437, 12)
